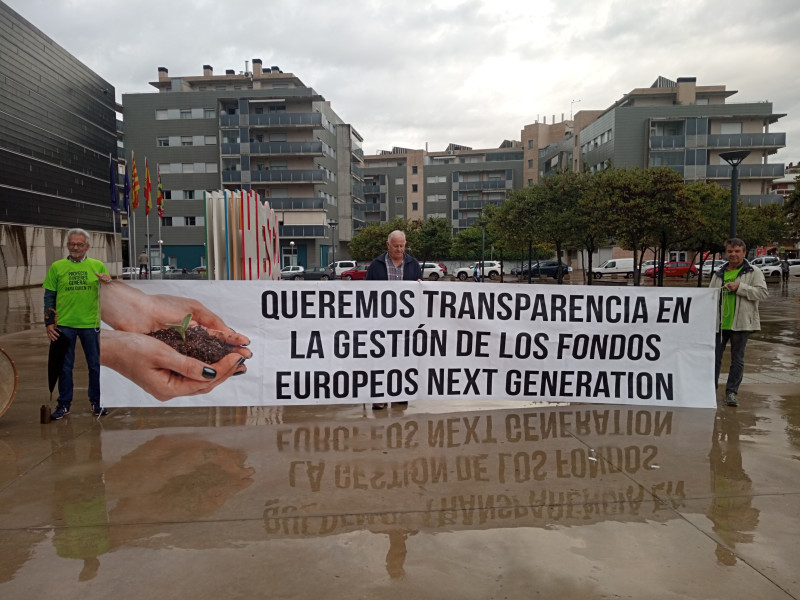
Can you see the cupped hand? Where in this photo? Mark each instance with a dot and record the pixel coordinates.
(129, 309)
(160, 370)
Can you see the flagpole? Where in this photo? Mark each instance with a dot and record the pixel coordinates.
(149, 256)
(113, 182)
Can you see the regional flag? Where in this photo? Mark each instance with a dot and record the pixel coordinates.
(148, 189)
(160, 196)
(135, 190)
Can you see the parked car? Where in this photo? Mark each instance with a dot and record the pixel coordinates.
(775, 269)
(340, 266)
(293, 272)
(644, 265)
(675, 268)
(165, 269)
(545, 268)
(763, 261)
(320, 273)
(359, 272)
(201, 270)
(130, 273)
(614, 266)
(491, 269)
(432, 271)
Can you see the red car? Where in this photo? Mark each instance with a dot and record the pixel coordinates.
(675, 268)
(360, 272)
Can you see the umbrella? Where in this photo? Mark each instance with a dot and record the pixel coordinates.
(55, 360)
(8, 381)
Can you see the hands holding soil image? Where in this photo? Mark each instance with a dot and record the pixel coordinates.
(147, 347)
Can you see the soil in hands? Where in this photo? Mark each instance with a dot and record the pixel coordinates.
(199, 343)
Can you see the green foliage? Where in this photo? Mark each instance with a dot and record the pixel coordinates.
(467, 243)
(370, 241)
(182, 326)
(791, 209)
(762, 225)
(431, 241)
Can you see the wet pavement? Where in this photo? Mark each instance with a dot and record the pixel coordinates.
(436, 500)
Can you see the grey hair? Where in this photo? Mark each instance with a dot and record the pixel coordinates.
(396, 233)
(79, 231)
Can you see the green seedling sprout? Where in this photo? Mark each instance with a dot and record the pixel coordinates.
(182, 326)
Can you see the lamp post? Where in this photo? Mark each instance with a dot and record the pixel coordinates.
(734, 159)
(482, 223)
(292, 261)
(161, 256)
(332, 225)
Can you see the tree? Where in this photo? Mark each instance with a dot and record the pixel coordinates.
(555, 200)
(762, 225)
(592, 226)
(791, 209)
(714, 217)
(431, 240)
(468, 242)
(370, 241)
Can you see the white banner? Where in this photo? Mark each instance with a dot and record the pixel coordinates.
(354, 342)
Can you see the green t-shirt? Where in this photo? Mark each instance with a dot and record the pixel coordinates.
(77, 291)
(729, 299)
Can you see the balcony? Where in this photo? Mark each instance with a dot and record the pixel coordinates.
(231, 148)
(746, 171)
(747, 140)
(296, 120)
(231, 177)
(489, 184)
(287, 148)
(658, 142)
(303, 231)
(288, 176)
(296, 203)
(761, 199)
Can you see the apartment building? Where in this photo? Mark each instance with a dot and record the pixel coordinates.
(456, 183)
(258, 129)
(675, 123)
(57, 136)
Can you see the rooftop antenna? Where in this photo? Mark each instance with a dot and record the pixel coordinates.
(570, 108)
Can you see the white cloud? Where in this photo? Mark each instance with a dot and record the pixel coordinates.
(466, 71)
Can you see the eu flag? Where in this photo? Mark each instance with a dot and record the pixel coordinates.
(126, 193)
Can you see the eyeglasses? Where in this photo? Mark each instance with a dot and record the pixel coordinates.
(75, 245)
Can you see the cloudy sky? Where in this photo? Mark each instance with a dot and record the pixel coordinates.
(471, 72)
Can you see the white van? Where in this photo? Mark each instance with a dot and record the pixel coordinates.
(615, 266)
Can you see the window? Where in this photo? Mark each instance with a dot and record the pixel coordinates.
(162, 142)
(414, 169)
(187, 168)
(277, 137)
(278, 165)
(413, 187)
(399, 199)
(259, 110)
(188, 194)
(399, 181)
(186, 114)
(164, 168)
(415, 206)
(166, 221)
(211, 140)
(530, 163)
(209, 113)
(731, 127)
(162, 115)
(211, 167)
(186, 140)
(530, 144)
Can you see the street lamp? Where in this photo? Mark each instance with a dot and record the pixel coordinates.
(291, 254)
(734, 159)
(482, 223)
(332, 225)
(161, 256)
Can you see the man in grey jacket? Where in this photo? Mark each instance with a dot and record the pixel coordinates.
(743, 287)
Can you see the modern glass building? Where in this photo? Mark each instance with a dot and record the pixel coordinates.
(57, 135)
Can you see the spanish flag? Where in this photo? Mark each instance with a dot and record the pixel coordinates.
(160, 196)
(148, 189)
(135, 189)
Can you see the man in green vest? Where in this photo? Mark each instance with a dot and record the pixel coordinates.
(743, 287)
(72, 310)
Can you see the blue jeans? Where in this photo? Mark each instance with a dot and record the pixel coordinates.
(738, 340)
(90, 342)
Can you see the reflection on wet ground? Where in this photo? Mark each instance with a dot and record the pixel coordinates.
(453, 500)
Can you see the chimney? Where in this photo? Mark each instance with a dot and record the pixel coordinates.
(230, 72)
(275, 69)
(163, 73)
(208, 71)
(256, 66)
